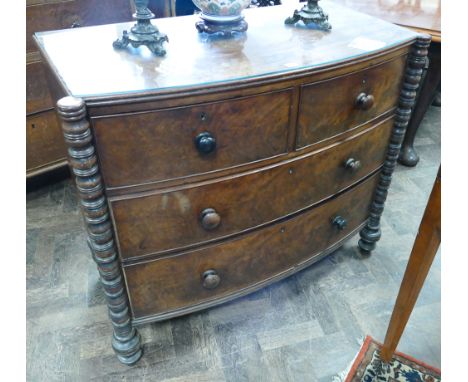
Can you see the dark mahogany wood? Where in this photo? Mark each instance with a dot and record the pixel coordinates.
(163, 144)
(371, 233)
(44, 15)
(422, 255)
(269, 51)
(170, 220)
(72, 111)
(427, 94)
(207, 195)
(44, 142)
(45, 151)
(38, 97)
(332, 107)
(167, 284)
(422, 16)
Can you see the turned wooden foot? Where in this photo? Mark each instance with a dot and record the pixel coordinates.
(368, 240)
(128, 349)
(126, 340)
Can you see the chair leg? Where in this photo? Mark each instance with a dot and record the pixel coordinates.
(424, 250)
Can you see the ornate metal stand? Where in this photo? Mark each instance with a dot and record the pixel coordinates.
(126, 340)
(223, 29)
(311, 13)
(371, 233)
(265, 3)
(143, 32)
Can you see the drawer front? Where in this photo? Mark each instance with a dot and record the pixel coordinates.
(181, 281)
(38, 97)
(176, 219)
(46, 15)
(335, 106)
(192, 140)
(44, 140)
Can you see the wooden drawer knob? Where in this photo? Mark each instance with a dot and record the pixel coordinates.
(210, 219)
(210, 279)
(339, 222)
(364, 101)
(352, 164)
(205, 143)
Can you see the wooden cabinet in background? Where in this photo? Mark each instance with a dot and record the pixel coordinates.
(45, 149)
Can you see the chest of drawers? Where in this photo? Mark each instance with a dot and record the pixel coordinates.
(229, 163)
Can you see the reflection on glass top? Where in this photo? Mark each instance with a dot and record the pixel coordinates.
(88, 66)
(419, 14)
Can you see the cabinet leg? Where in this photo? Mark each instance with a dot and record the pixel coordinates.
(427, 94)
(126, 340)
(371, 233)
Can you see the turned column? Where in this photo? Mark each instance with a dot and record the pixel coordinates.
(408, 155)
(126, 340)
(371, 233)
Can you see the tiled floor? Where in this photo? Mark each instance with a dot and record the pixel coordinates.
(305, 328)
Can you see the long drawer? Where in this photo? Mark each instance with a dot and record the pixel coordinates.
(332, 107)
(159, 145)
(167, 285)
(174, 219)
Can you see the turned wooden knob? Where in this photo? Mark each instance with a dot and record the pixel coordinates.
(205, 143)
(364, 101)
(210, 279)
(210, 219)
(353, 164)
(339, 222)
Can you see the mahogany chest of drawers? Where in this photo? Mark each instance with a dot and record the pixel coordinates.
(229, 164)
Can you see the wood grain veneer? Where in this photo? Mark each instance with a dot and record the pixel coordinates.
(170, 220)
(53, 15)
(175, 227)
(329, 108)
(163, 142)
(44, 141)
(45, 150)
(173, 282)
(270, 50)
(38, 97)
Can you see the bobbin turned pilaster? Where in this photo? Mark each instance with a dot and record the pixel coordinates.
(81, 155)
(371, 232)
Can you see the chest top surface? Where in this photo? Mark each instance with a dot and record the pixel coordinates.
(422, 15)
(87, 66)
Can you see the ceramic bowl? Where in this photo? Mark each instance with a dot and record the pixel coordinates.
(221, 10)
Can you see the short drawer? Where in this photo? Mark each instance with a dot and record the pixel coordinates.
(335, 106)
(38, 97)
(44, 140)
(174, 219)
(173, 285)
(44, 15)
(153, 146)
